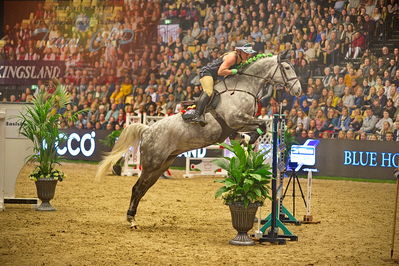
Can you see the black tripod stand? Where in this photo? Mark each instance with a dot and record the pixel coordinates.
(294, 178)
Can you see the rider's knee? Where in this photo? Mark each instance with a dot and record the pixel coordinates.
(207, 84)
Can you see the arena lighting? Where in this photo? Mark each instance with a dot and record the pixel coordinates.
(167, 21)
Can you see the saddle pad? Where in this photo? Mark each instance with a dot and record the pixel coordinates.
(213, 103)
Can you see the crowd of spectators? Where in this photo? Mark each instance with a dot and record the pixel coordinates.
(349, 91)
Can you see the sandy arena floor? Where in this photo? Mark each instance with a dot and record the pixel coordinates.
(182, 224)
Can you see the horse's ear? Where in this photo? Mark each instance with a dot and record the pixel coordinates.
(284, 55)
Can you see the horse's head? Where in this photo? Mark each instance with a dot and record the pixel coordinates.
(275, 70)
(284, 74)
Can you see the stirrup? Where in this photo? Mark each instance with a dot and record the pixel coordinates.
(199, 119)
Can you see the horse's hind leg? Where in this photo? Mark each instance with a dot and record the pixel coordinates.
(149, 176)
(138, 191)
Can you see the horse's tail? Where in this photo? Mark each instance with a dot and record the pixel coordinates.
(130, 136)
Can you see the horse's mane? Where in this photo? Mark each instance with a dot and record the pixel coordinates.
(245, 65)
(242, 67)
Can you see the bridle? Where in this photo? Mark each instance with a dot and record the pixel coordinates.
(269, 81)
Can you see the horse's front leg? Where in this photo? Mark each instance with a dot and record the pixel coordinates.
(255, 126)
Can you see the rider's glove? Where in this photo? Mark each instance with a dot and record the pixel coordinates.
(234, 71)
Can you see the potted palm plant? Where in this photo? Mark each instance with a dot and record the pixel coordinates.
(245, 188)
(39, 123)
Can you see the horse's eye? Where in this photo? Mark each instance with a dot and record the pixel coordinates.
(287, 68)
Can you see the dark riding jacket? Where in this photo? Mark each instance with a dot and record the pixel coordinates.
(212, 68)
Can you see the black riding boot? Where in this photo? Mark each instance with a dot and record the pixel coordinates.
(199, 111)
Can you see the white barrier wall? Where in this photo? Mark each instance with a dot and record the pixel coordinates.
(14, 148)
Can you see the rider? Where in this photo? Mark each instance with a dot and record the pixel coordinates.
(222, 66)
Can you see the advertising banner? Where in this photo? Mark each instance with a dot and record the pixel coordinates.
(357, 159)
(29, 72)
(83, 144)
(180, 161)
(336, 158)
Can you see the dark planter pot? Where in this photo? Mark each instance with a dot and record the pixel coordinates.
(45, 192)
(243, 221)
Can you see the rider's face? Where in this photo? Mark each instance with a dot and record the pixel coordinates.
(244, 56)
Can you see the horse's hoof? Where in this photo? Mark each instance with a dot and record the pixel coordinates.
(163, 176)
(134, 225)
(132, 221)
(245, 139)
(117, 170)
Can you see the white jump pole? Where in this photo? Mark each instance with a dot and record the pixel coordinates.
(308, 218)
(309, 195)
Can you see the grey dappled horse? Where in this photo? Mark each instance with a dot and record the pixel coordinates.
(161, 142)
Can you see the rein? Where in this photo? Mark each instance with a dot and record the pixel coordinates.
(286, 81)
